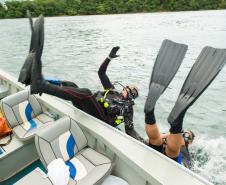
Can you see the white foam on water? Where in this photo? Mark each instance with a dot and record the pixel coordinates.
(210, 158)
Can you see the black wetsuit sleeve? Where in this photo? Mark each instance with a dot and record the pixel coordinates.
(102, 75)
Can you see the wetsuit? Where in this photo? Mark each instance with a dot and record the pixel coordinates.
(161, 149)
(83, 98)
(119, 104)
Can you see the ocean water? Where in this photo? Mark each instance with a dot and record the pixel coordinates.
(76, 46)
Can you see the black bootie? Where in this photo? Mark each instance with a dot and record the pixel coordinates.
(37, 81)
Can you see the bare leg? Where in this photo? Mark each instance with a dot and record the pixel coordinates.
(175, 138)
(153, 134)
(174, 143)
(152, 129)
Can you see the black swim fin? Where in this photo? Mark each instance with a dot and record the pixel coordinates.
(205, 69)
(32, 29)
(36, 75)
(25, 72)
(168, 61)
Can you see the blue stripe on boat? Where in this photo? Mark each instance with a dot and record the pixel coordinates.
(70, 146)
(28, 112)
(1, 151)
(72, 169)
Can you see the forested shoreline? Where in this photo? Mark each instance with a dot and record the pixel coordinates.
(17, 9)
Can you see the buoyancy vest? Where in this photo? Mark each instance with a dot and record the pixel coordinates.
(113, 105)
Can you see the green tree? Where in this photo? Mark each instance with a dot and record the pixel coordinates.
(17, 9)
(222, 4)
(2, 11)
(14, 9)
(72, 7)
(194, 4)
(100, 9)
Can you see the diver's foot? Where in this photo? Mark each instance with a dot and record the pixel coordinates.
(177, 125)
(37, 80)
(37, 86)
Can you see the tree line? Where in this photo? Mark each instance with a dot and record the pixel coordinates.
(17, 9)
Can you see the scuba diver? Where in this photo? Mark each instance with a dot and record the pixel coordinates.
(109, 105)
(115, 103)
(205, 69)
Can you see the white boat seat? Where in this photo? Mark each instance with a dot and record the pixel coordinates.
(3, 91)
(24, 114)
(65, 140)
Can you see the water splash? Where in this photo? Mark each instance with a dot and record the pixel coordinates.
(210, 159)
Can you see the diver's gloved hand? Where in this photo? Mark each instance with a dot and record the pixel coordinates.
(113, 52)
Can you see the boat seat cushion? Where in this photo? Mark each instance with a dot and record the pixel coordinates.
(3, 91)
(89, 167)
(24, 114)
(27, 129)
(65, 140)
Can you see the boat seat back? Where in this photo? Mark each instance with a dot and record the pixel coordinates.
(20, 107)
(64, 139)
(24, 114)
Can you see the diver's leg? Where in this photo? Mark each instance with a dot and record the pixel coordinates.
(80, 97)
(75, 95)
(68, 84)
(174, 143)
(175, 138)
(152, 129)
(37, 79)
(39, 85)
